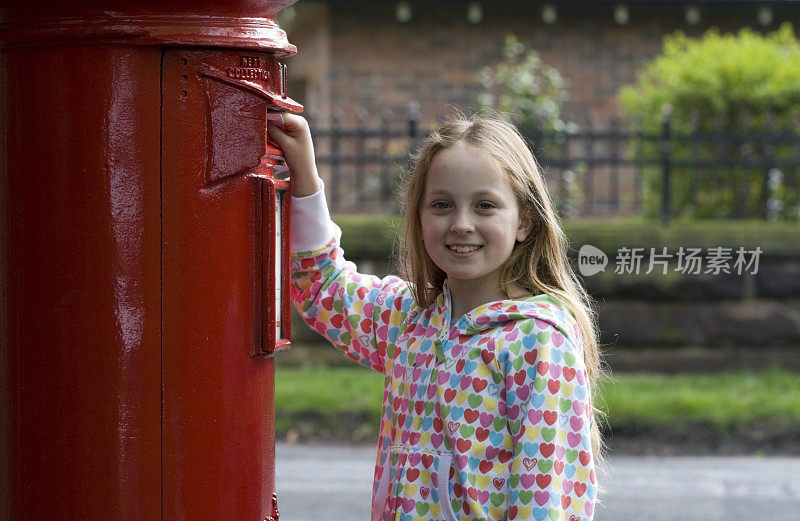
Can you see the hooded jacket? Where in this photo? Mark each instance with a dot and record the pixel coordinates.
(487, 418)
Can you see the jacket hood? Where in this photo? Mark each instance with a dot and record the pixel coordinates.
(500, 313)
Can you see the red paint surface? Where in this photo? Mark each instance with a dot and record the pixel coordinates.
(218, 398)
(130, 269)
(233, 23)
(83, 281)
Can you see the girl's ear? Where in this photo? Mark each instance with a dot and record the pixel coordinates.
(525, 227)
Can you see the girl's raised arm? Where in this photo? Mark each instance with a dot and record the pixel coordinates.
(292, 134)
(360, 314)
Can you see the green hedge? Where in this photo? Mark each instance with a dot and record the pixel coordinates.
(369, 236)
(374, 236)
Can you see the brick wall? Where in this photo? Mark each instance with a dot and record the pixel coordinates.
(376, 63)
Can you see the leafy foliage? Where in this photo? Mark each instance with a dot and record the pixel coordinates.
(733, 95)
(525, 87)
(742, 77)
(531, 93)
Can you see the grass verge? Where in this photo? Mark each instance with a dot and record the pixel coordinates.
(344, 403)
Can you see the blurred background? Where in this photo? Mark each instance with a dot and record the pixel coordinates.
(668, 132)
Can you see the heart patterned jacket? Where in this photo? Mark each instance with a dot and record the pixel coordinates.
(484, 419)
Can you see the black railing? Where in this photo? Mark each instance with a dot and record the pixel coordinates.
(364, 164)
(594, 171)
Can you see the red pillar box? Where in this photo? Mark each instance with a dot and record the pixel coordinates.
(144, 259)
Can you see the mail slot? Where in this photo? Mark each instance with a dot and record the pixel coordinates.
(274, 226)
(215, 105)
(144, 264)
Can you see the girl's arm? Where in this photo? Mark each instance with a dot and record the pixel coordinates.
(549, 413)
(294, 137)
(360, 314)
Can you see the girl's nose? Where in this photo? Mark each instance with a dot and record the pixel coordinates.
(461, 224)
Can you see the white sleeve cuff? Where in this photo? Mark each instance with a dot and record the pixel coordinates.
(311, 222)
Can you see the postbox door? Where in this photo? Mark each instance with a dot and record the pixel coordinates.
(219, 231)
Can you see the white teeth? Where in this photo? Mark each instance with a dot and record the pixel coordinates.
(464, 249)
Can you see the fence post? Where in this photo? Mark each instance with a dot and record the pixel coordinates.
(666, 166)
(772, 175)
(361, 132)
(386, 192)
(413, 116)
(335, 177)
(589, 199)
(614, 161)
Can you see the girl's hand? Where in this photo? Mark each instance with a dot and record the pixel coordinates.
(294, 139)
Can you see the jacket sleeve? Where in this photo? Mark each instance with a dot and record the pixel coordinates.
(360, 314)
(548, 405)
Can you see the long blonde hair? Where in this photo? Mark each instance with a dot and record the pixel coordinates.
(538, 264)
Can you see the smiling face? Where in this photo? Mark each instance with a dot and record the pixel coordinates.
(470, 217)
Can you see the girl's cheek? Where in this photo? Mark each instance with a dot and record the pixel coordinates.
(429, 250)
(429, 235)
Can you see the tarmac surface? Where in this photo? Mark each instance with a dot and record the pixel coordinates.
(334, 483)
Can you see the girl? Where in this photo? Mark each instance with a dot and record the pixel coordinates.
(489, 350)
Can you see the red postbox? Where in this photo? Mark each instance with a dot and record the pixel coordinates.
(143, 269)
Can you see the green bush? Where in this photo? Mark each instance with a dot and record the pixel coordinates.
(373, 237)
(526, 88)
(712, 87)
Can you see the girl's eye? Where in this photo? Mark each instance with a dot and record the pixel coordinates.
(440, 205)
(485, 205)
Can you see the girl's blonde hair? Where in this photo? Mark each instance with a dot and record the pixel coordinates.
(538, 264)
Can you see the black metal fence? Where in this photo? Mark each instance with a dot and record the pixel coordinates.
(592, 170)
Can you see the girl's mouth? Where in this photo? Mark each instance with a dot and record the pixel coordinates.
(465, 248)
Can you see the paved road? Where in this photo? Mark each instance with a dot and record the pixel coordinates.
(330, 483)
